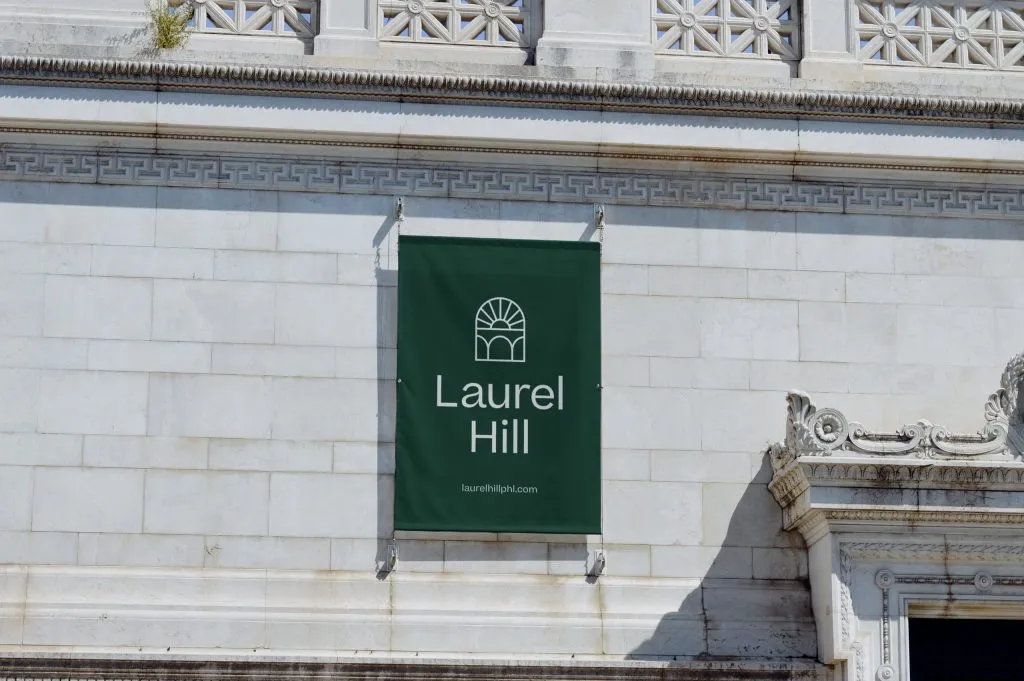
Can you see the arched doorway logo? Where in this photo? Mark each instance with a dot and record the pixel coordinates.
(500, 331)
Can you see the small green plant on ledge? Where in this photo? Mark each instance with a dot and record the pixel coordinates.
(170, 24)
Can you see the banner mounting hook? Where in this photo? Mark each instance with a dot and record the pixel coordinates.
(399, 211)
(391, 563)
(399, 218)
(598, 565)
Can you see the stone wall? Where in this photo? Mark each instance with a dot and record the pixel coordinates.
(197, 423)
(198, 259)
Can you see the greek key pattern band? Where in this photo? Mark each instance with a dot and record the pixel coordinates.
(115, 167)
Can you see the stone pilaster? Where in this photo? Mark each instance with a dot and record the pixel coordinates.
(829, 43)
(597, 34)
(348, 28)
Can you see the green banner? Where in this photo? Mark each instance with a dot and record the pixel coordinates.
(499, 398)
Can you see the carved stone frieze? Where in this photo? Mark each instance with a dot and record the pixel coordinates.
(502, 183)
(894, 551)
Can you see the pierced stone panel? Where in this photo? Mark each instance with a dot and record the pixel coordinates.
(290, 18)
(500, 23)
(978, 34)
(764, 29)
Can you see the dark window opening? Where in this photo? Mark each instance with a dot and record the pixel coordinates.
(965, 650)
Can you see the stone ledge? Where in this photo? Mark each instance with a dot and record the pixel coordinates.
(153, 668)
(509, 90)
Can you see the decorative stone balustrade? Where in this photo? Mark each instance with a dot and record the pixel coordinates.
(498, 23)
(282, 18)
(765, 29)
(965, 34)
(837, 41)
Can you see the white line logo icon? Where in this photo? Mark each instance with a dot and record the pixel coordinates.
(500, 331)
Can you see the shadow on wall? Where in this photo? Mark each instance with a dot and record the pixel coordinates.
(754, 599)
(386, 280)
(387, 307)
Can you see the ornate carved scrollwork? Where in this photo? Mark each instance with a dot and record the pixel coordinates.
(824, 432)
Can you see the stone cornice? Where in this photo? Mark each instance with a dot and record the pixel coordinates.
(165, 668)
(789, 483)
(832, 471)
(507, 90)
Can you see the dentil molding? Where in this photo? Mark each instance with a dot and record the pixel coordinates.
(505, 90)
